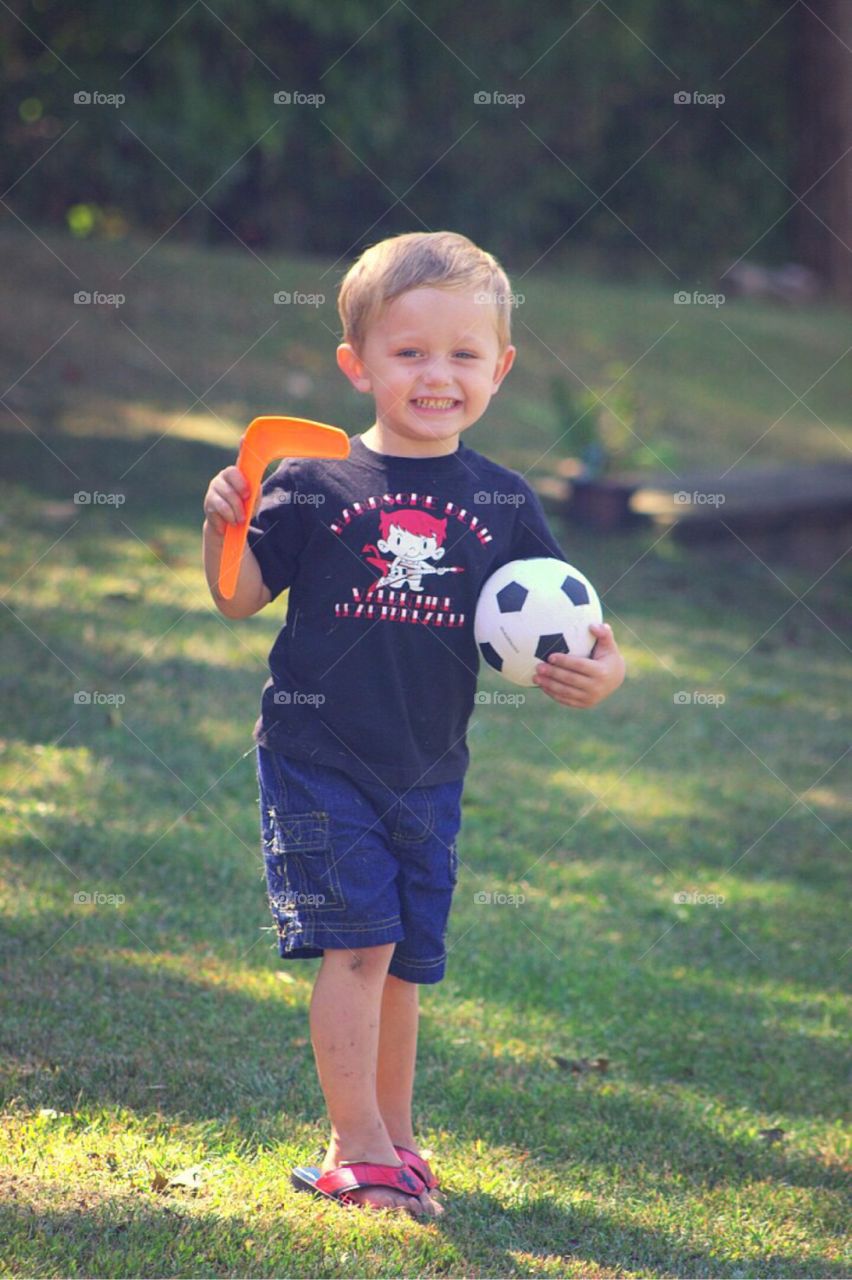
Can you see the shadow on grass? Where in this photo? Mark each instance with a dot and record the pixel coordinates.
(158, 475)
(117, 1033)
(115, 645)
(115, 1238)
(542, 1230)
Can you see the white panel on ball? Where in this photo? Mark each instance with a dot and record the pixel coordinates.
(530, 608)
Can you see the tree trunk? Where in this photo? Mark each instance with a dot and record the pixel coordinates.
(822, 115)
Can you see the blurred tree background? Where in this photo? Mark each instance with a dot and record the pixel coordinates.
(598, 160)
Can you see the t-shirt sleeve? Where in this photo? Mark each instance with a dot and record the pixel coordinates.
(276, 535)
(532, 535)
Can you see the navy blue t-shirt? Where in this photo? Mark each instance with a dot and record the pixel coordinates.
(374, 671)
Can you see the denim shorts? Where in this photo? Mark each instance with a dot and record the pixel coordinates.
(352, 864)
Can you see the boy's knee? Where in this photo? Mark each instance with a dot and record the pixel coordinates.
(365, 960)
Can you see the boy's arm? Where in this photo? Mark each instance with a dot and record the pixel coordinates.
(224, 504)
(573, 682)
(252, 593)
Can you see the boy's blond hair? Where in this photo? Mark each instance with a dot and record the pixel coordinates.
(442, 259)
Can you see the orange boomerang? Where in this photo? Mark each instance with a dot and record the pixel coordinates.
(265, 440)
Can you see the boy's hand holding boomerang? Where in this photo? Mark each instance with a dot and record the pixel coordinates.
(233, 494)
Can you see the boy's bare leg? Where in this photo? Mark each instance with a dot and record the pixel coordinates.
(397, 1059)
(346, 1011)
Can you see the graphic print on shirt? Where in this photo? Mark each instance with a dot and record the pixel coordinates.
(406, 546)
(412, 538)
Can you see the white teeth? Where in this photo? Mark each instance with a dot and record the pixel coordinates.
(424, 402)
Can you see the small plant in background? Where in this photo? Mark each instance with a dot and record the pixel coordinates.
(578, 435)
(597, 428)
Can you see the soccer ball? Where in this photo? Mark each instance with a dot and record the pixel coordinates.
(529, 609)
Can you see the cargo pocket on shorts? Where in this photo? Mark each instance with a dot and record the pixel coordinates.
(301, 847)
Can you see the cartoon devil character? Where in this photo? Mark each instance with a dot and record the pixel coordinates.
(411, 539)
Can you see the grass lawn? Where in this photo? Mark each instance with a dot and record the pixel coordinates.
(157, 1076)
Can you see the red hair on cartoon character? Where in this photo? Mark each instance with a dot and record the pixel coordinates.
(418, 523)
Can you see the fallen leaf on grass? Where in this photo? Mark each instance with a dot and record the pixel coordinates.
(580, 1065)
(192, 1179)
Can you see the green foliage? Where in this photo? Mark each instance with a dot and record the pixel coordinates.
(597, 158)
(597, 427)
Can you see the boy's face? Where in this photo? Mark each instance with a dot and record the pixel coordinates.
(432, 361)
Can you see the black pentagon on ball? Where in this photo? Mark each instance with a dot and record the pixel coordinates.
(491, 655)
(510, 599)
(551, 644)
(575, 590)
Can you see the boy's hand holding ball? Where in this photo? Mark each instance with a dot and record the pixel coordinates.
(539, 622)
(583, 682)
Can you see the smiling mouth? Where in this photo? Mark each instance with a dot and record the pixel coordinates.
(433, 402)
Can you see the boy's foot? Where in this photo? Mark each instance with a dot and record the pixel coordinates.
(429, 1205)
(410, 1155)
(422, 1206)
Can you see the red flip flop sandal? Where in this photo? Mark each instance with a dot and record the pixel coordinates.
(336, 1183)
(420, 1166)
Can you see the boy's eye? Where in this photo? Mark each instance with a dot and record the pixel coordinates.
(412, 351)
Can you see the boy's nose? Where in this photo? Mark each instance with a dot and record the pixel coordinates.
(437, 376)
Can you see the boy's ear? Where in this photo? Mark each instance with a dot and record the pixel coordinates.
(504, 364)
(352, 365)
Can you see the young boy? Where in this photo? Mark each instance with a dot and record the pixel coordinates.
(361, 739)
